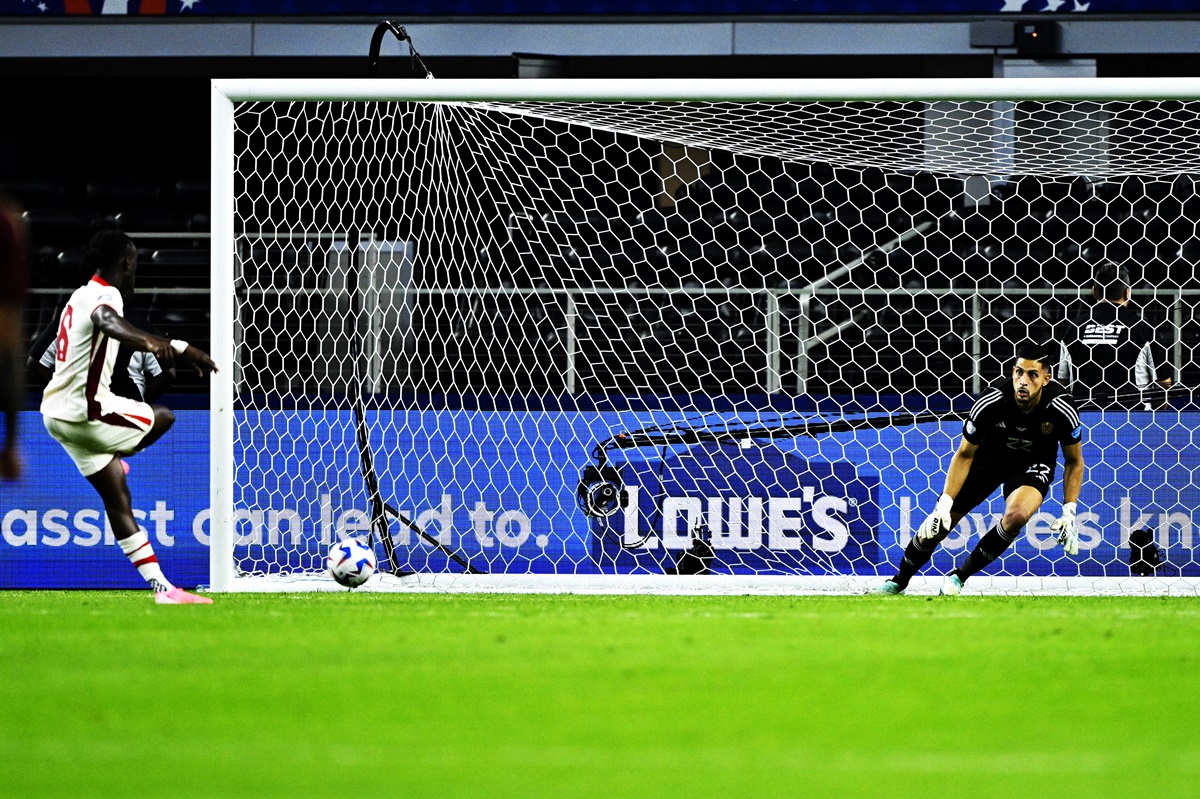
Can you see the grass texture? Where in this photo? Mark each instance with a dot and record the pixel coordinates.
(362, 695)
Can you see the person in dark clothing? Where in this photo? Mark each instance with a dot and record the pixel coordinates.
(1010, 438)
(136, 375)
(14, 283)
(1110, 357)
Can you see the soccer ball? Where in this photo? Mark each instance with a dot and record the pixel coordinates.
(351, 562)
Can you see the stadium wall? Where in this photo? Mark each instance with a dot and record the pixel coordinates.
(590, 35)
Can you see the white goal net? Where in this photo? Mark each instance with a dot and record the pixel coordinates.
(558, 335)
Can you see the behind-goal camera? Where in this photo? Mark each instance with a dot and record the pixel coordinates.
(600, 492)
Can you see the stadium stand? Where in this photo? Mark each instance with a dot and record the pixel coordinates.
(168, 220)
(34, 192)
(190, 195)
(782, 226)
(109, 196)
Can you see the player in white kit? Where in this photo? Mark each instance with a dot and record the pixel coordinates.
(96, 427)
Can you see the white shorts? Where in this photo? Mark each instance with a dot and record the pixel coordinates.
(92, 444)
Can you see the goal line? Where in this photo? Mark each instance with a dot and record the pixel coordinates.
(720, 585)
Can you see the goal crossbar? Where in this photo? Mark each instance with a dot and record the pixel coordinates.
(713, 90)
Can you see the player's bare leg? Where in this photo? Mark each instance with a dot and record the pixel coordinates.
(111, 485)
(1020, 507)
(164, 417)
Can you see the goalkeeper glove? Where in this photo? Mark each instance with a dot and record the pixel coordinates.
(1065, 525)
(938, 521)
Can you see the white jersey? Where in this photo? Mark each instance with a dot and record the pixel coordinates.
(141, 366)
(80, 390)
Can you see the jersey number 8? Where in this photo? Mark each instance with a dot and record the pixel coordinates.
(60, 349)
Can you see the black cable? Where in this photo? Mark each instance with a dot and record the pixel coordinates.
(410, 524)
(379, 523)
(379, 508)
(663, 435)
(397, 30)
(807, 427)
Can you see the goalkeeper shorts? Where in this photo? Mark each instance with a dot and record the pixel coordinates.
(984, 478)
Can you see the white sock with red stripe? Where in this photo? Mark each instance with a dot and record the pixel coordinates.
(137, 548)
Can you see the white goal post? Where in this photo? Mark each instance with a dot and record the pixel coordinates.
(685, 336)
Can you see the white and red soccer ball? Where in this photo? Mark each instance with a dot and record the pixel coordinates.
(351, 562)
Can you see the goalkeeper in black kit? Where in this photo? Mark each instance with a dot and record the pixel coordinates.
(1011, 438)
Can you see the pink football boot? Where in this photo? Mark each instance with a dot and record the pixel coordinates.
(177, 596)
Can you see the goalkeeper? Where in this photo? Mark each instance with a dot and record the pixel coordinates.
(1010, 438)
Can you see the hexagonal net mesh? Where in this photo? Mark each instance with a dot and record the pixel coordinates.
(554, 341)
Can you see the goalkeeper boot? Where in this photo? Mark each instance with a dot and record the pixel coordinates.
(951, 586)
(889, 588)
(177, 596)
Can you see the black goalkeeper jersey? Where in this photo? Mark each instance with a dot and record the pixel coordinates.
(1006, 435)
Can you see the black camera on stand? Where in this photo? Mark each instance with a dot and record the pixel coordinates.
(600, 493)
(1145, 558)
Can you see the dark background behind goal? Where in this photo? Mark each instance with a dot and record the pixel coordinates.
(122, 138)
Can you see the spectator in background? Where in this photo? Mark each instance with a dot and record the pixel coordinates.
(1109, 355)
(14, 283)
(137, 375)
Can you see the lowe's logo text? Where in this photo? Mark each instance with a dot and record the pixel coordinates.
(809, 521)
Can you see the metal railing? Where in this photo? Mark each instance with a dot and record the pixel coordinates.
(790, 331)
(780, 323)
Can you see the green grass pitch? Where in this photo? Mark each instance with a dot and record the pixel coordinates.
(105, 694)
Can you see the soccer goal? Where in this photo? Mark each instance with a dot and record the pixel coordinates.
(683, 336)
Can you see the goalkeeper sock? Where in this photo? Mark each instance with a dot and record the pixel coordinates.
(990, 547)
(916, 555)
(137, 548)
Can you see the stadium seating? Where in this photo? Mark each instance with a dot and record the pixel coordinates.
(176, 268)
(198, 223)
(70, 267)
(190, 195)
(736, 228)
(110, 195)
(34, 192)
(151, 220)
(62, 216)
(60, 226)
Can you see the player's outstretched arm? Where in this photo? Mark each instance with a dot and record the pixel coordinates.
(1064, 525)
(195, 356)
(1072, 471)
(113, 325)
(940, 522)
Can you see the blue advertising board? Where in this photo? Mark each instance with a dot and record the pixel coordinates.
(501, 489)
(53, 531)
